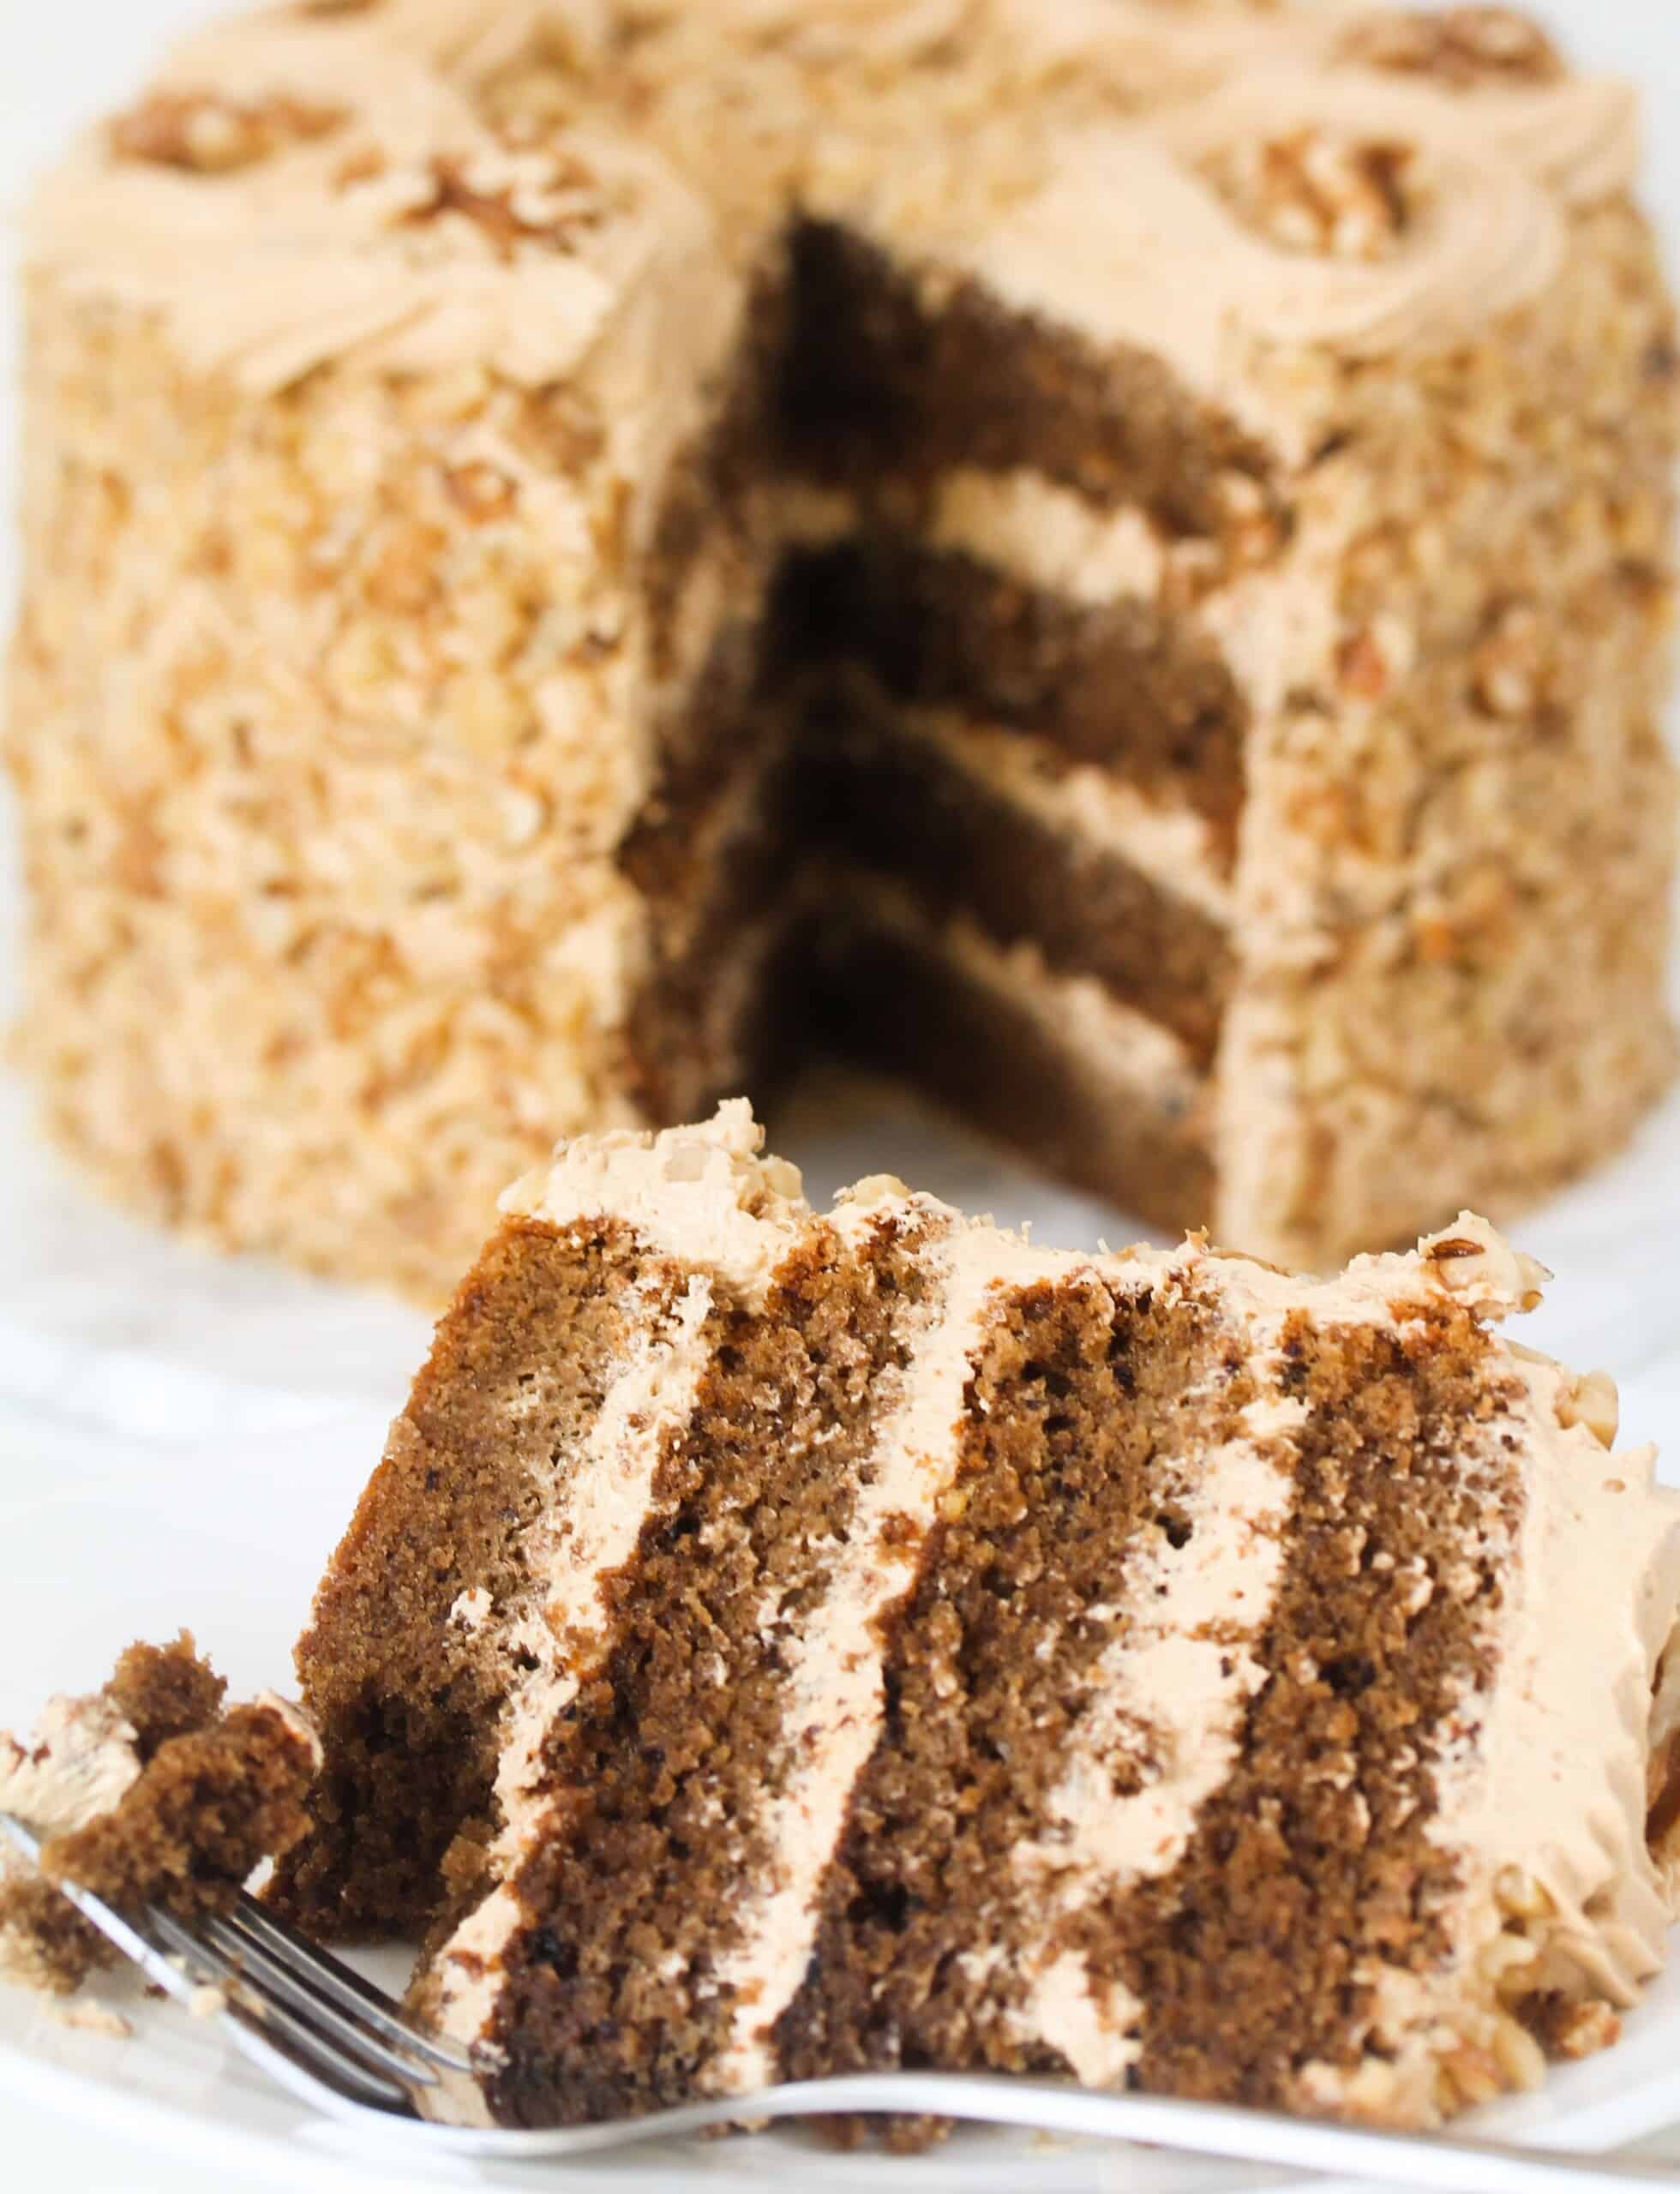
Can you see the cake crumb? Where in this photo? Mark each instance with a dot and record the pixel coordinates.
(146, 1790)
(89, 2017)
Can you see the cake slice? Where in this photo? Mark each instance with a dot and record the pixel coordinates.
(145, 1792)
(779, 1643)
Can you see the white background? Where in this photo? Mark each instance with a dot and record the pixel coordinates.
(139, 1379)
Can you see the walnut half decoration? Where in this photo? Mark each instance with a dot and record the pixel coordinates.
(206, 133)
(1461, 49)
(1319, 190)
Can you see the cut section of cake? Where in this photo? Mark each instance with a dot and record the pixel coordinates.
(1234, 660)
(780, 1642)
(149, 1791)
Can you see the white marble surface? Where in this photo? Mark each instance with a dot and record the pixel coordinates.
(182, 1438)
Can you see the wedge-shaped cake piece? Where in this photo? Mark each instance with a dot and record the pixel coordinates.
(779, 1642)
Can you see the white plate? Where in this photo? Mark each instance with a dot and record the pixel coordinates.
(182, 1439)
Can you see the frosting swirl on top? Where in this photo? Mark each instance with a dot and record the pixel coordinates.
(468, 40)
(398, 226)
(1581, 136)
(1479, 234)
(369, 184)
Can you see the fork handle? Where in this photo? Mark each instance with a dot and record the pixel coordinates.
(1430, 2163)
(1444, 2163)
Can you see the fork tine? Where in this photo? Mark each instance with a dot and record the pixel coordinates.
(315, 2073)
(320, 2050)
(111, 1924)
(344, 2026)
(330, 1977)
(290, 1984)
(1201, 2128)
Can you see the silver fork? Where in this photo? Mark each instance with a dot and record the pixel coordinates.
(338, 2044)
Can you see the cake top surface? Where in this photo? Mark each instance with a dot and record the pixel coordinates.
(706, 1193)
(301, 185)
(711, 1194)
(419, 180)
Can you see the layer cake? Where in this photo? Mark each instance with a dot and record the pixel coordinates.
(1114, 555)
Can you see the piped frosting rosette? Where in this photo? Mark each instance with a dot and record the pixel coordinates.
(376, 214)
(1473, 230)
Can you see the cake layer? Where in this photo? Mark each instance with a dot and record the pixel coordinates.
(1108, 1099)
(717, 739)
(929, 1649)
(712, 853)
(1123, 685)
(1107, 817)
(730, 1694)
(725, 1013)
(904, 808)
(147, 1792)
(886, 375)
(524, 1378)
(1057, 1721)
(1113, 1826)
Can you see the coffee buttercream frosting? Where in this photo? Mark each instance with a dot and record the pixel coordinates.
(345, 183)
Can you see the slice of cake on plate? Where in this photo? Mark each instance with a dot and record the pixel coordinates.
(779, 1642)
